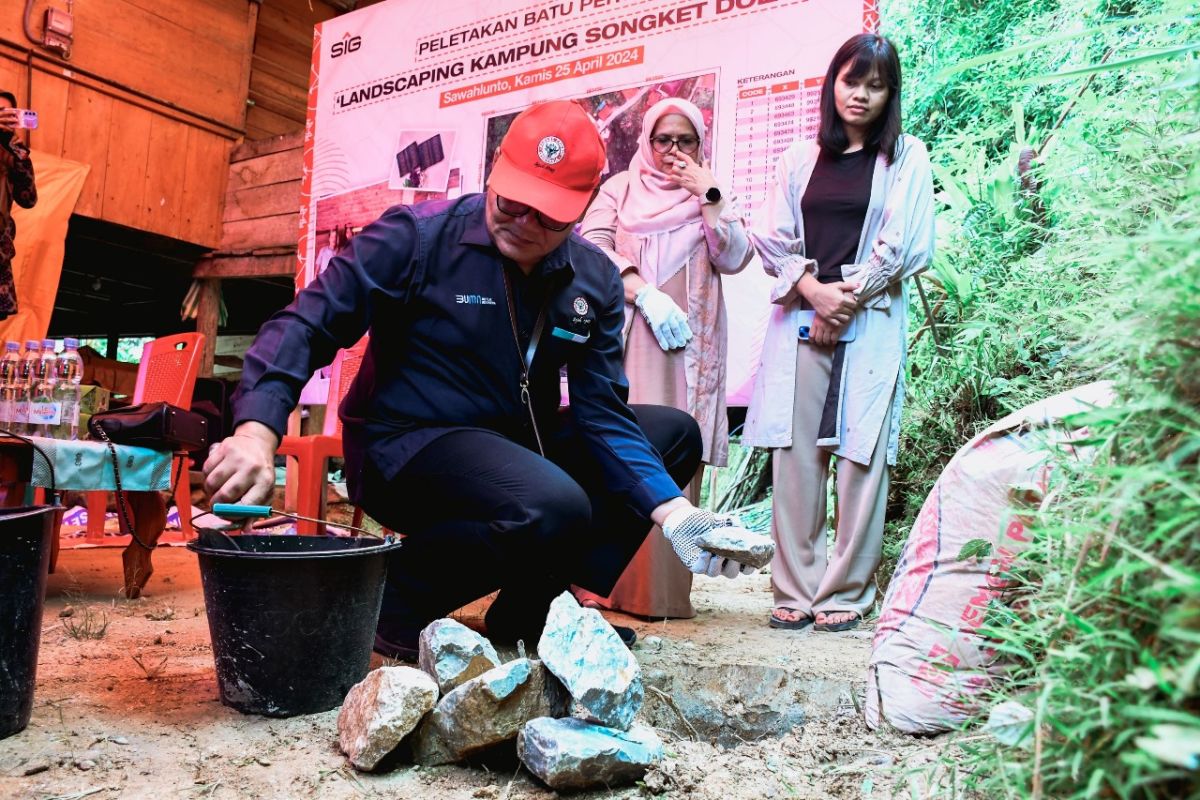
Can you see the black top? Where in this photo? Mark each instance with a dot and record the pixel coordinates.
(428, 282)
(834, 207)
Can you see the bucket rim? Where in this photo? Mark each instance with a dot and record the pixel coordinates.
(278, 555)
(14, 512)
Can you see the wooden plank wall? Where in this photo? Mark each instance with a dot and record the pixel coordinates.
(157, 120)
(190, 53)
(262, 203)
(282, 62)
(262, 215)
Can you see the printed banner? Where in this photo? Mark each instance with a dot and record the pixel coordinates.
(407, 106)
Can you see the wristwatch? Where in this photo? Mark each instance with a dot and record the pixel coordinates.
(713, 195)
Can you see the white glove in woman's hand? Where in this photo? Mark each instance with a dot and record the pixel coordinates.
(665, 318)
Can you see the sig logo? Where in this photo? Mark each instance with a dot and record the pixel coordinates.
(347, 45)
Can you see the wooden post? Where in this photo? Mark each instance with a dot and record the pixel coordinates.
(248, 57)
(207, 319)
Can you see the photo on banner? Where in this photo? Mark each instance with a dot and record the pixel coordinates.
(406, 107)
(424, 160)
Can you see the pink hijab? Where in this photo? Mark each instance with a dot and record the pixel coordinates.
(661, 221)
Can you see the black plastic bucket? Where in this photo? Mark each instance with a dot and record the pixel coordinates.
(292, 618)
(24, 559)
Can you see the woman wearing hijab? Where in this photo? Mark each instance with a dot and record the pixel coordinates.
(847, 223)
(671, 231)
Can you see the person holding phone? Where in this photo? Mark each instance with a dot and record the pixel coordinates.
(16, 186)
(672, 232)
(847, 223)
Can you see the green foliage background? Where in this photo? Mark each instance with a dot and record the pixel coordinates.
(1091, 271)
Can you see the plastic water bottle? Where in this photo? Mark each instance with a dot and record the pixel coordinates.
(10, 365)
(26, 377)
(44, 412)
(70, 376)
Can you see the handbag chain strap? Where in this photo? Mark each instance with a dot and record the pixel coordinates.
(120, 492)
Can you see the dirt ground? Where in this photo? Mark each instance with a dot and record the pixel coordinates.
(135, 713)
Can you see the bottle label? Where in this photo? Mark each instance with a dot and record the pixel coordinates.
(45, 412)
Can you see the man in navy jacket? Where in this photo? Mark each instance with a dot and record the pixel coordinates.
(452, 430)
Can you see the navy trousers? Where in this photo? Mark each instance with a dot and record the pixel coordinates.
(482, 513)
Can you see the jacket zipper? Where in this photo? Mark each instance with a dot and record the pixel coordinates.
(525, 358)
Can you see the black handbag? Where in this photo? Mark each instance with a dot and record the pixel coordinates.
(158, 426)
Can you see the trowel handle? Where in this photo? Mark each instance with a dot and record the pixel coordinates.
(239, 511)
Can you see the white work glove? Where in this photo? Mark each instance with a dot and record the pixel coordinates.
(665, 318)
(684, 526)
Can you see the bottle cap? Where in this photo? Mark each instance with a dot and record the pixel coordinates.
(47, 344)
(33, 344)
(12, 347)
(70, 343)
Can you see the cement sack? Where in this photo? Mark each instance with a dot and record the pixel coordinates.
(929, 664)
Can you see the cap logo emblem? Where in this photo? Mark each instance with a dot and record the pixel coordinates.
(551, 150)
(581, 306)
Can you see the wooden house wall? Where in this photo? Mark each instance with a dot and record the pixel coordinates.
(177, 83)
(281, 66)
(262, 202)
(152, 98)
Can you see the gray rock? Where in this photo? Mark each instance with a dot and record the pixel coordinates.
(381, 710)
(745, 547)
(572, 754)
(585, 653)
(729, 704)
(488, 710)
(1011, 723)
(452, 654)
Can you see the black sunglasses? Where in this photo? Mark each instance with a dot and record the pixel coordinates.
(686, 144)
(514, 209)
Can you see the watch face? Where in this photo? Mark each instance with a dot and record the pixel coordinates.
(713, 195)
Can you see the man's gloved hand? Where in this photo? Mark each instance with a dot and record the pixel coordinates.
(665, 318)
(684, 526)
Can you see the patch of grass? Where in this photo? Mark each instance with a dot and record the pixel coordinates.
(163, 614)
(151, 670)
(88, 624)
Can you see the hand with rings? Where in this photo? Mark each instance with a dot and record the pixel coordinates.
(690, 174)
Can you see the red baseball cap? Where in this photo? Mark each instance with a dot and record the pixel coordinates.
(551, 159)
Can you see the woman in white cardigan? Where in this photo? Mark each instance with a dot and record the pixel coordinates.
(848, 222)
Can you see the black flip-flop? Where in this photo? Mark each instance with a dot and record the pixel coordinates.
(628, 635)
(789, 625)
(395, 650)
(399, 648)
(826, 627)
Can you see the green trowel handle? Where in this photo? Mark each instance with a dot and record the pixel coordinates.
(237, 511)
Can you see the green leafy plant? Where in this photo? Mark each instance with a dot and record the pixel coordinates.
(1095, 273)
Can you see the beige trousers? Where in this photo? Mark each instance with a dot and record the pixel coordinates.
(804, 574)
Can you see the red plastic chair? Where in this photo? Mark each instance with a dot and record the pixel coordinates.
(312, 453)
(166, 373)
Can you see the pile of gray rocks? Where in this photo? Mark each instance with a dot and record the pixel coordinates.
(571, 710)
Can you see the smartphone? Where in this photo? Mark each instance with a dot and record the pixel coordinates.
(806, 322)
(26, 119)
